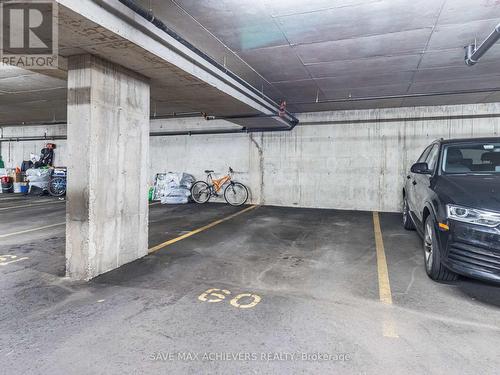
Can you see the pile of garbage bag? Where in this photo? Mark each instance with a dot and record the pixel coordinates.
(173, 188)
(38, 178)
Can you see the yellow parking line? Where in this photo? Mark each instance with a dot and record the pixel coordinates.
(384, 286)
(30, 205)
(196, 231)
(31, 230)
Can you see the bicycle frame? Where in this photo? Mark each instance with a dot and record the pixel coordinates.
(217, 184)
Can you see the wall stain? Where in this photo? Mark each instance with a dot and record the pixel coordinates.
(261, 164)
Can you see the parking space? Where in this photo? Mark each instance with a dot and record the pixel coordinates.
(167, 223)
(300, 149)
(468, 301)
(27, 220)
(266, 281)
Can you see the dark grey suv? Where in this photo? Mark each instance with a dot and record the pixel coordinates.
(452, 198)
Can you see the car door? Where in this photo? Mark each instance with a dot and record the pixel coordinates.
(422, 182)
(411, 183)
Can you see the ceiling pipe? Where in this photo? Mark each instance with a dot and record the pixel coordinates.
(236, 117)
(403, 96)
(160, 134)
(265, 101)
(268, 130)
(199, 114)
(473, 53)
(33, 138)
(219, 131)
(176, 115)
(24, 123)
(242, 130)
(167, 116)
(211, 117)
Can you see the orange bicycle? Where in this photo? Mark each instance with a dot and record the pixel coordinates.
(235, 193)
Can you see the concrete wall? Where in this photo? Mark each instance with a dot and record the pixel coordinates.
(345, 159)
(13, 153)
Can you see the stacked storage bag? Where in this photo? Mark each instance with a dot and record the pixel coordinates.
(173, 188)
(38, 178)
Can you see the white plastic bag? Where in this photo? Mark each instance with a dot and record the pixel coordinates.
(39, 178)
(173, 188)
(34, 158)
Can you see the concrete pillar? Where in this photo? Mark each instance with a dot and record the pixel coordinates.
(108, 153)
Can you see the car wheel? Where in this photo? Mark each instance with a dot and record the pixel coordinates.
(433, 266)
(407, 220)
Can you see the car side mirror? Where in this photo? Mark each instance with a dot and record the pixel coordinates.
(420, 168)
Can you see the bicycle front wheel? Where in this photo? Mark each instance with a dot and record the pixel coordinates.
(200, 192)
(236, 194)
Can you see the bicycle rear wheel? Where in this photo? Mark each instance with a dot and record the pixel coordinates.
(236, 194)
(200, 192)
(57, 186)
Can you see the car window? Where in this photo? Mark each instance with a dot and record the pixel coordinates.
(423, 157)
(432, 157)
(472, 157)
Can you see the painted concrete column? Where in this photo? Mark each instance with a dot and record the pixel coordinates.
(108, 156)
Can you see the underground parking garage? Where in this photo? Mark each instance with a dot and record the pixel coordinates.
(249, 187)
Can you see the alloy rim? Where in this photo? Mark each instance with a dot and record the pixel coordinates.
(428, 246)
(200, 194)
(405, 212)
(235, 194)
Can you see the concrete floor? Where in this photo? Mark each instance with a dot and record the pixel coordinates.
(315, 272)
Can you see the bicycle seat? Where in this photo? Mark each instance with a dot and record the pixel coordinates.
(207, 171)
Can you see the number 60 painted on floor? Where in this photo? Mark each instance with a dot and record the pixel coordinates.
(218, 295)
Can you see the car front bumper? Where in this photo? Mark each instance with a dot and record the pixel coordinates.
(473, 251)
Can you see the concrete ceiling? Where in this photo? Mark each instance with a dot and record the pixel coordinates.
(177, 84)
(340, 49)
(28, 96)
(301, 51)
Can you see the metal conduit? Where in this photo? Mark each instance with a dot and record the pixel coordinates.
(473, 53)
(158, 134)
(160, 25)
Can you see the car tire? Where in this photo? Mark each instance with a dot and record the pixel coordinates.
(407, 220)
(432, 254)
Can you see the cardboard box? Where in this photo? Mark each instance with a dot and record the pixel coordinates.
(18, 177)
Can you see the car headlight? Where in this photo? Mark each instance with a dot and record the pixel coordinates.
(473, 216)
